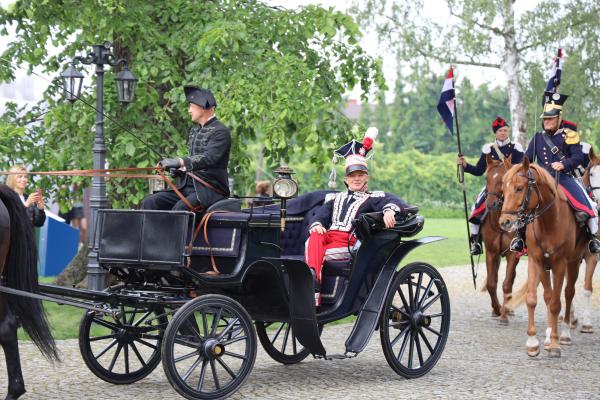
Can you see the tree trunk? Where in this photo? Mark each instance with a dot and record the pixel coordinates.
(512, 69)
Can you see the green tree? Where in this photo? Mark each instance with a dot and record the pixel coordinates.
(278, 76)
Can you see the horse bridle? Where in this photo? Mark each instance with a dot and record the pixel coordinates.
(524, 216)
(497, 204)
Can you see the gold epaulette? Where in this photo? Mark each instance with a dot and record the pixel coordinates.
(571, 136)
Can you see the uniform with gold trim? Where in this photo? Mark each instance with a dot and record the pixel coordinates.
(566, 141)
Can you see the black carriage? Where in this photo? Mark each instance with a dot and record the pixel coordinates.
(171, 306)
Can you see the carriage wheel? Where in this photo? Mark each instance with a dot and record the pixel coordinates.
(125, 348)
(209, 348)
(415, 320)
(280, 343)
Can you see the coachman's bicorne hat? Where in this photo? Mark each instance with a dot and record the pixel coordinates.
(201, 97)
(355, 154)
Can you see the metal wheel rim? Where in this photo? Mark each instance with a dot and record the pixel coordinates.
(126, 348)
(416, 321)
(198, 372)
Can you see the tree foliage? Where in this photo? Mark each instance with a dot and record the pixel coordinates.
(278, 76)
(488, 34)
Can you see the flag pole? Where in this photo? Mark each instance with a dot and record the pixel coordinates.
(461, 180)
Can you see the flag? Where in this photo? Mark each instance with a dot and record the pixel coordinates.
(446, 104)
(555, 72)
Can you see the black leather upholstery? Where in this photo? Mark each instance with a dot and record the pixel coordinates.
(229, 204)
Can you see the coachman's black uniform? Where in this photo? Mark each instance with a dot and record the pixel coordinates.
(209, 148)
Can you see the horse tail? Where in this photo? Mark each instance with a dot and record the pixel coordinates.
(21, 273)
(518, 297)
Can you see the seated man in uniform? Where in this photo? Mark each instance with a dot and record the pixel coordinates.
(559, 151)
(499, 149)
(202, 175)
(330, 232)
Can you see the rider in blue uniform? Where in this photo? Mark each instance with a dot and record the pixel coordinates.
(558, 150)
(500, 149)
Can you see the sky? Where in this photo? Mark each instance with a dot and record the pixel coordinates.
(29, 88)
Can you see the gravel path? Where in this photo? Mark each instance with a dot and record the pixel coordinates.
(482, 360)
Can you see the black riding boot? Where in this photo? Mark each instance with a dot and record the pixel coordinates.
(594, 244)
(476, 248)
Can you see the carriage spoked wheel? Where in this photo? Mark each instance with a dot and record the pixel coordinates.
(122, 348)
(280, 342)
(415, 320)
(209, 348)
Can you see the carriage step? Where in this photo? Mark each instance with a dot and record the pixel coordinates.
(336, 356)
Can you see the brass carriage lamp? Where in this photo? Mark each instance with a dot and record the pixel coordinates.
(284, 188)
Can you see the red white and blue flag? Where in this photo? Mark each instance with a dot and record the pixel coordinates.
(554, 73)
(447, 101)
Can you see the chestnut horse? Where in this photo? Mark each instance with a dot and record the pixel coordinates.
(532, 198)
(591, 179)
(496, 240)
(18, 270)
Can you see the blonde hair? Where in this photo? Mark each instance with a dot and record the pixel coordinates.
(11, 180)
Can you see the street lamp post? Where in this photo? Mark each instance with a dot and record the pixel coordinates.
(126, 81)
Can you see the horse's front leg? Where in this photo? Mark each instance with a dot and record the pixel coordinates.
(558, 270)
(507, 285)
(492, 261)
(569, 321)
(8, 341)
(533, 277)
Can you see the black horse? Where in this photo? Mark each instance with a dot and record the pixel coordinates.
(18, 270)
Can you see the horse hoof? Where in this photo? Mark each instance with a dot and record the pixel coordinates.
(554, 353)
(495, 314)
(503, 321)
(533, 351)
(565, 340)
(586, 329)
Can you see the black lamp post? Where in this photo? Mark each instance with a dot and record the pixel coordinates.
(72, 81)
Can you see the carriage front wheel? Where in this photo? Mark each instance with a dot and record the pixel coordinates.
(209, 348)
(125, 347)
(415, 320)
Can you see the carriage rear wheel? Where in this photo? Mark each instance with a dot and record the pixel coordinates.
(280, 342)
(124, 348)
(415, 320)
(209, 348)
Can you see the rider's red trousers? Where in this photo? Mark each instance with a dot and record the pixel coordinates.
(333, 245)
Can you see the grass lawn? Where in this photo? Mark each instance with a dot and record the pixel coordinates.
(452, 251)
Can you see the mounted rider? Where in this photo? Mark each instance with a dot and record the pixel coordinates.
(558, 149)
(330, 232)
(499, 149)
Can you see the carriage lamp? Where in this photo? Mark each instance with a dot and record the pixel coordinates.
(285, 188)
(71, 81)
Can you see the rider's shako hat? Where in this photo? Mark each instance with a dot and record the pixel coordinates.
(553, 104)
(355, 154)
(498, 123)
(201, 97)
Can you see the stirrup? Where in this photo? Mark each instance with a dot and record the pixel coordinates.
(594, 245)
(517, 244)
(476, 249)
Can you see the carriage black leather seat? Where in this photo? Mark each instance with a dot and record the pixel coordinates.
(300, 214)
(229, 204)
